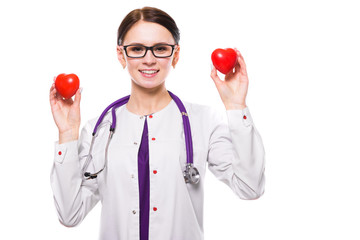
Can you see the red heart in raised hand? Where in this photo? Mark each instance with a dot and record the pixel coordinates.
(67, 84)
(224, 60)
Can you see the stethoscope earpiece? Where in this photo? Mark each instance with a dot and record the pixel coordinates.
(90, 176)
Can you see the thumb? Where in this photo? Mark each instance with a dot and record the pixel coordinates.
(78, 97)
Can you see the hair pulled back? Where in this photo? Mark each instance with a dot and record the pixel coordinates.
(148, 14)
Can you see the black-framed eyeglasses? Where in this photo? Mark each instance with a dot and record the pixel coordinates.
(158, 50)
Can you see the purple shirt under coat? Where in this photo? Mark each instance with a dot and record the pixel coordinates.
(144, 183)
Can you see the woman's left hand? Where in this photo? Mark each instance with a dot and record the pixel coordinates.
(233, 89)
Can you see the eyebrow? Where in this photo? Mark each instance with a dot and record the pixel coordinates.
(136, 43)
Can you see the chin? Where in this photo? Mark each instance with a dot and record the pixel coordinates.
(147, 84)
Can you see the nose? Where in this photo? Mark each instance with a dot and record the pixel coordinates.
(149, 57)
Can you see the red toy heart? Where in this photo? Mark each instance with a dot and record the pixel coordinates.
(224, 60)
(67, 84)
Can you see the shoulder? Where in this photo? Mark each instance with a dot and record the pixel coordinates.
(202, 112)
(91, 123)
(197, 109)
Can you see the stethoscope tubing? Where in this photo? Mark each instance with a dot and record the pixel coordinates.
(114, 105)
(187, 131)
(189, 177)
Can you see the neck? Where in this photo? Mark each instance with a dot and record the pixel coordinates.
(144, 101)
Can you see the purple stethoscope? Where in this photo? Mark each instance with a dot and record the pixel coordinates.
(191, 174)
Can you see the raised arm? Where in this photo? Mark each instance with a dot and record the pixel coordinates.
(236, 154)
(73, 196)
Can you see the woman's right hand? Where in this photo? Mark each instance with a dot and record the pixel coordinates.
(66, 114)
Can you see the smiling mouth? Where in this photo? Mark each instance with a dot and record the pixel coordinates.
(149, 71)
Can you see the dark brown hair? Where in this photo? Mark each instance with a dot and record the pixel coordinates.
(148, 14)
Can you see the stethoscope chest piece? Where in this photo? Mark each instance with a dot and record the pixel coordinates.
(191, 174)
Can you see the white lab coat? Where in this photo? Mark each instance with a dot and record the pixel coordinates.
(232, 150)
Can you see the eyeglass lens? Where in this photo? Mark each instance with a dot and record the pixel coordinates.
(158, 50)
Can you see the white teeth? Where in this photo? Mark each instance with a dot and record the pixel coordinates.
(149, 72)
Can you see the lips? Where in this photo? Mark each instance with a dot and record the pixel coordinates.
(149, 72)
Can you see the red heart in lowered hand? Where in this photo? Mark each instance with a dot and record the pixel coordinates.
(67, 84)
(224, 60)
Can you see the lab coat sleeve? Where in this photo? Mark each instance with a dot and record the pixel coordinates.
(236, 153)
(73, 196)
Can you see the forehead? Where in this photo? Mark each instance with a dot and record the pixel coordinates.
(148, 33)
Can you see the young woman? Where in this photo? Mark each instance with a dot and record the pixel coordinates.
(148, 171)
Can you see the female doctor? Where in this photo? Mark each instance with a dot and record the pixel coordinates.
(137, 171)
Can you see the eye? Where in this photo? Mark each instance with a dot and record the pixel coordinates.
(161, 48)
(136, 49)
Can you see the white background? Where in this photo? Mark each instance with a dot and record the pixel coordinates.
(303, 62)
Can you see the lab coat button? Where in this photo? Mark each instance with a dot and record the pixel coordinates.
(59, 152)
(244, 117)
(153, 139)
(141, 117)
(135, 143)
(150, 116)
(155, 172)
(132, 175)
(134, 212)
(155, 209)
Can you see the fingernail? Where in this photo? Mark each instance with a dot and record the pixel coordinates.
(81, 89)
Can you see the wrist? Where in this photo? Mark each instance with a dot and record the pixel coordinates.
(234, 106)
(68, 135)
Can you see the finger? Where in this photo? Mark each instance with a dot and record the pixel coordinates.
(55, 97)
(52, 94)
(215, 77)
(78, 97)
(241, 62)
(58, 96)
(237, 65)
(230, 74)
(69, 101)
(239, 53)
(52, 87)
(52, 91)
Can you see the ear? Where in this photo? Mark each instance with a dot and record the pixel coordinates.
(121, 56)
(176, 56)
